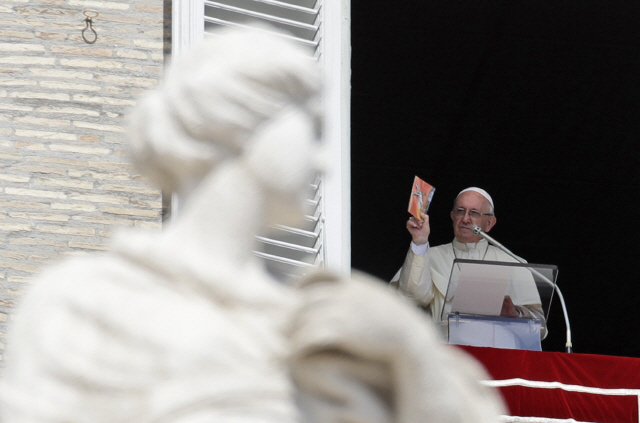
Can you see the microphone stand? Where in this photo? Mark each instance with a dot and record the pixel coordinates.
(478, 231)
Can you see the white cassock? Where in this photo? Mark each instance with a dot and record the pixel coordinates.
(425, 278)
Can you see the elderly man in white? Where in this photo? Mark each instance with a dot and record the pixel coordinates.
(426, 271)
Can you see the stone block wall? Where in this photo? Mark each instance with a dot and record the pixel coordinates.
(66, 182)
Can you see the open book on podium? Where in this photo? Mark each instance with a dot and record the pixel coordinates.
(475, 294)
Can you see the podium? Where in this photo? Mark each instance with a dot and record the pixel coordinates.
(476, 291)
(495, 332)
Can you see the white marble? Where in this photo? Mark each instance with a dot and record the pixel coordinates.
(186, 325)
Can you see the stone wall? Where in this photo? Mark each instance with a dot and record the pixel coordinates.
(65, 180)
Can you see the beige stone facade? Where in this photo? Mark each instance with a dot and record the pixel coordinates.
(66, 183)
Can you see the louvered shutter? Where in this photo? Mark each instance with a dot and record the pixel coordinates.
(300, 18)
(290, 251)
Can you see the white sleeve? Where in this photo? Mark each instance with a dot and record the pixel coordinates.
(414, 278)
(419, 250)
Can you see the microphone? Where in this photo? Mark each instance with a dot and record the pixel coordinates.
(478, 231)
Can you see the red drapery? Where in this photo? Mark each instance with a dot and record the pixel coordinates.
(583, 387)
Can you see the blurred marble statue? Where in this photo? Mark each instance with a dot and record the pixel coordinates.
(186, 325)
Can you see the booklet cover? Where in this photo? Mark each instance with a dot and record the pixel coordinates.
(421, 195)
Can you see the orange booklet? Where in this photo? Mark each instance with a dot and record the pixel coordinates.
(421, 195)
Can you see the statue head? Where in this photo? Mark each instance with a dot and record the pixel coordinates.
(219, 102)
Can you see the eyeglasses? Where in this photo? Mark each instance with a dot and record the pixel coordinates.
(473, 213)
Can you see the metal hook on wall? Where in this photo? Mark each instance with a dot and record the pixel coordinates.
(89, 15)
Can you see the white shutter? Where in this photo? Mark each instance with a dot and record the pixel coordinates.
(290, 251)
(287, 251)
(300, 18)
